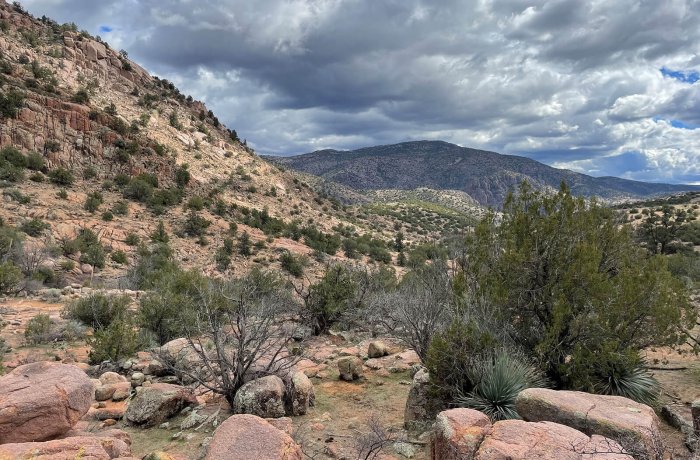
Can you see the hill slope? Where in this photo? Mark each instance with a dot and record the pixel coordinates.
(71, 103)
(485, 176)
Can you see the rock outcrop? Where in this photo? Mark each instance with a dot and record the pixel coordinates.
(633, 425)
(300, 394)
(158, 402)
(83, 447)
(246, 437)
(42, 400)
(466, 434)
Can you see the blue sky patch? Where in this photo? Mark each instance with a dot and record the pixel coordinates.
(105, 29)
(690, 76)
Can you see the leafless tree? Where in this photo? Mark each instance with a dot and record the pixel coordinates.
(422, 305)
(234, 331)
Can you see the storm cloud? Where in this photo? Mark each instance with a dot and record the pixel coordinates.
(606, 88)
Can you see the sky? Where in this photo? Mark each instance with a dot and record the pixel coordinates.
(601, 87)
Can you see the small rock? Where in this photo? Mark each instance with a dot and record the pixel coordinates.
(350, 368)
(377, 349)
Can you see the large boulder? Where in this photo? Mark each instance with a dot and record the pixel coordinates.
(350, 368)
(40, 401)
(300, 394)
(82, 447)
(263, 397)
(458, 433)
(519, 440)
(156, 403)
(246, 437)
(632, 424)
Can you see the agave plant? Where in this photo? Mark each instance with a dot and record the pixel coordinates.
(631, 381)
(500, 378)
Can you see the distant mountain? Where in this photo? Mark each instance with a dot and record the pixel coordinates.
(485, 176)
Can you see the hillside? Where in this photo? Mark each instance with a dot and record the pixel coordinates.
(485, 176)
(91, 140)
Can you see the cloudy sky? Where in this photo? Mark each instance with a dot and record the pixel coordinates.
(603, 87)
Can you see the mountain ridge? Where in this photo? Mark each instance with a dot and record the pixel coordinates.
(484, 175)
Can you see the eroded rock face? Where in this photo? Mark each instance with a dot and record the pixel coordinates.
(158, 402)
(82, 447)
(40, 401)
(519, 440)
(466, 434)
(263, 397)
(246, 437)
(633, 425)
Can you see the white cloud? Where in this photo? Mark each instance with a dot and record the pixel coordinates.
(575, 84)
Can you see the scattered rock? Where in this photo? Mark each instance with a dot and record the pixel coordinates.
(377, 349)
(109, 378)
(245, 437)
(137, 379)
(192, 420)
(158, 456)
(300, 394)
(458, 434)
(350, 368)
(263, 397)
(158, 402)
(42, 400)
(633, 425)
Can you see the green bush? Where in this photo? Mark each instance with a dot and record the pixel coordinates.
(61, 176)
(81, 97)
(294, 265)
(330, 298)
(93, 255)
(120, 257)
(139, 190)
(10, 277)
(93, 201)
(195, 225)
(132, 239)
(182, 176)
(89, 173)
(34, 227)
(97, 310)
(13, 156)
(120, 208)
(196, 203)
(10, 103)
(117, 341)
(38, 329)
(160, 235)
(107, 216)
(584, 299)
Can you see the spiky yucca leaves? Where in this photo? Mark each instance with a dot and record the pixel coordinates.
(633, 382)
(500, 378)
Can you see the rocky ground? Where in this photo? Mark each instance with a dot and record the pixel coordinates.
(350, 395)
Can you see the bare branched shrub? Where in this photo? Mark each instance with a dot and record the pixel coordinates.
(233, 332)
(371, 442)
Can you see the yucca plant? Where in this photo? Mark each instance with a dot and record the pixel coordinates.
(500, 378)
(633, 382)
